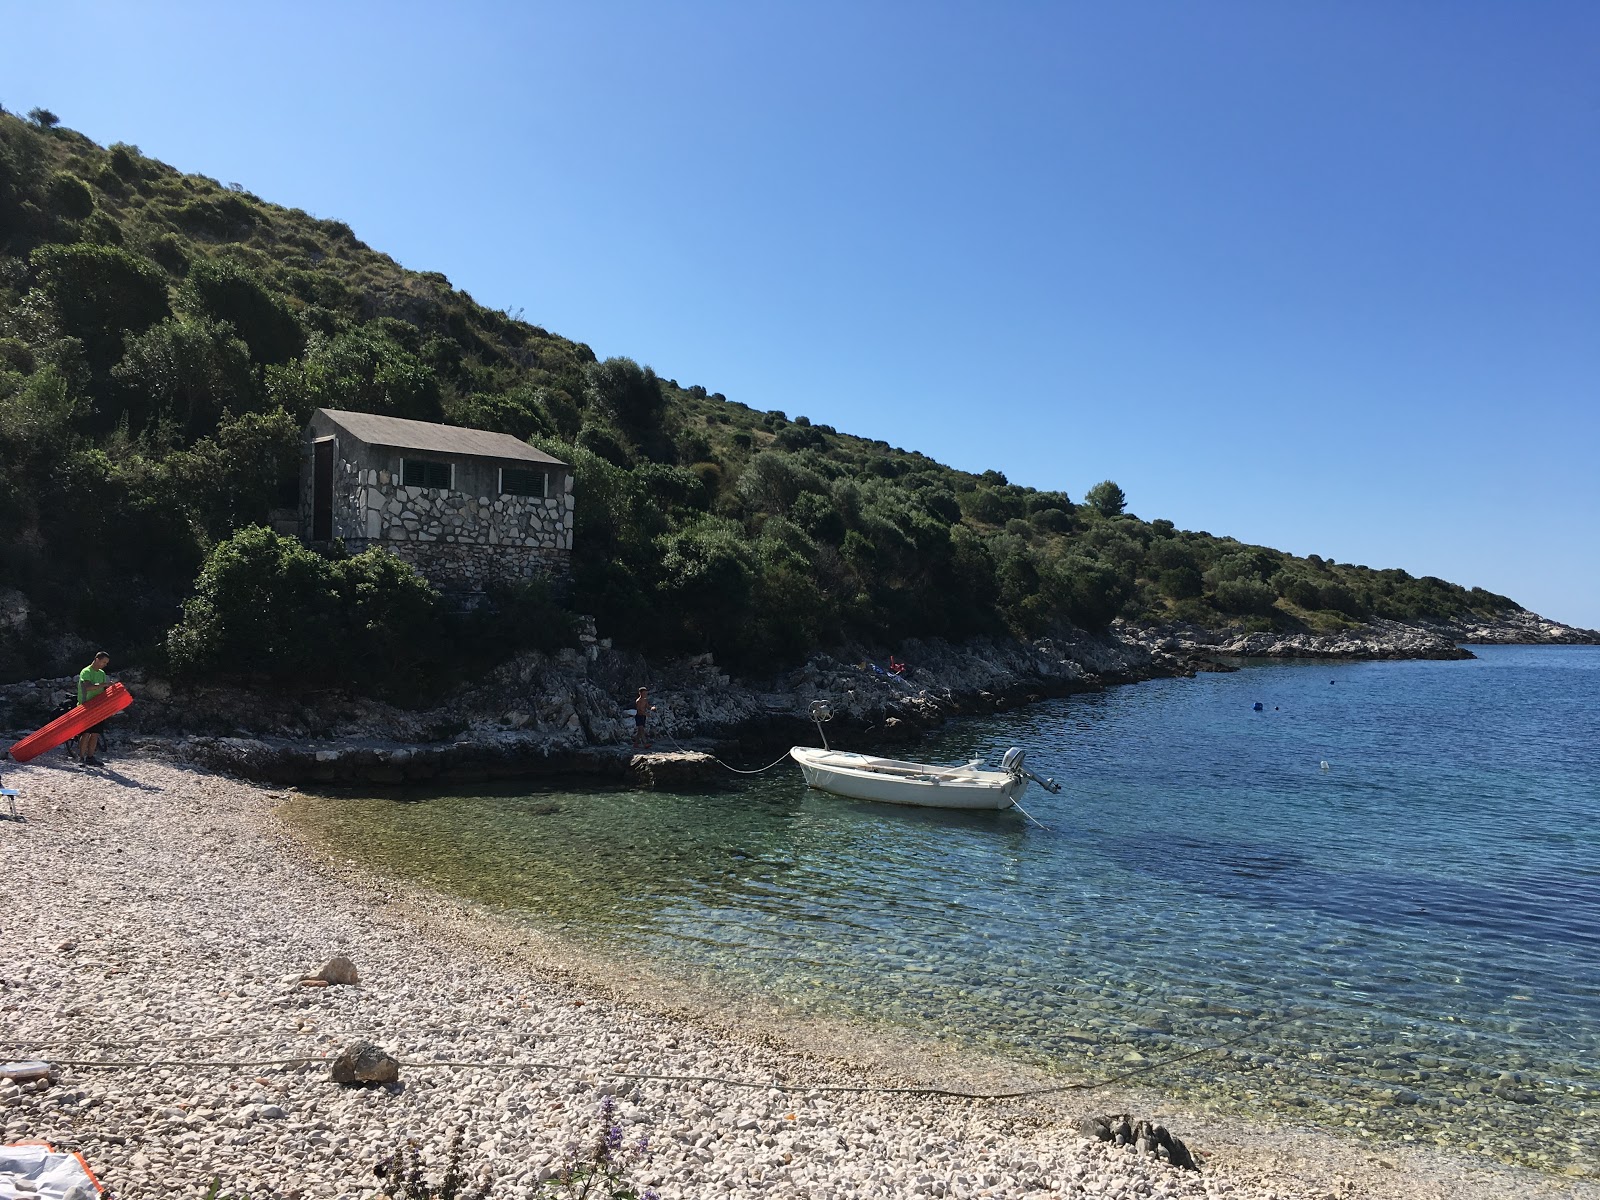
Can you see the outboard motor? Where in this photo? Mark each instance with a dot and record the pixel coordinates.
(1015, 762)
(821, 711)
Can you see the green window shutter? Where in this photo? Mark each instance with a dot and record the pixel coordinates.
(425, 473)
(517, 482)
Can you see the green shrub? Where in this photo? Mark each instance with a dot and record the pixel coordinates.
(231, 292)
(1054, 520)
(71, 196)
(234, 478)
(266, 607)
(185, 372)
(1298, 590)
(993, 507)
(1245, 596)
(1181, 583)
(359, 369)
(1341, 599)
(1089, 593)
(100, 295)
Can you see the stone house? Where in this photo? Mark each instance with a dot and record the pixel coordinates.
(465, 507)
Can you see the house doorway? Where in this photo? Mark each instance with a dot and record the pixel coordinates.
(322, 490)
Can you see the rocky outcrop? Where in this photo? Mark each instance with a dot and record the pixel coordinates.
(1375, 640)
(1515, 628)
(566, 713)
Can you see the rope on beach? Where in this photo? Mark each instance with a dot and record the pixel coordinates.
(771, 1085)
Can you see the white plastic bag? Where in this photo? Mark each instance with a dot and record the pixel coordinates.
(36, 1171)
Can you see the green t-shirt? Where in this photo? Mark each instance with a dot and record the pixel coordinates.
(91, 682)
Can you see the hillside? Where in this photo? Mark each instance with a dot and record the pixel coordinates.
(163, 338)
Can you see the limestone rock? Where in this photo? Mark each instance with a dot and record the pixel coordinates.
(338, 970)
(362, 1062)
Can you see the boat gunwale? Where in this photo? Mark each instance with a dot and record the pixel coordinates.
(910, 772)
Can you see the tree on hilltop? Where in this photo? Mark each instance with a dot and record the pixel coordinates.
(43, 118)
(1106, 498)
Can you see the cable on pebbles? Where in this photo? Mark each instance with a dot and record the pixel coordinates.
(174, 911)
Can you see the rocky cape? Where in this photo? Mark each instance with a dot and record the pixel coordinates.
(566, 713)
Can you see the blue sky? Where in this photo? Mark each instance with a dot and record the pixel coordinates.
(1320, 276)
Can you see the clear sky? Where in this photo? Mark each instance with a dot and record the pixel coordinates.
(1324, 276)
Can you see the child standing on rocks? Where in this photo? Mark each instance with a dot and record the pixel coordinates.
(642, 708)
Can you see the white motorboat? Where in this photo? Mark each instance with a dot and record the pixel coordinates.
(893, 781)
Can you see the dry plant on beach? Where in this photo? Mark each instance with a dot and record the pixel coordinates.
(598, 1170)
(403, 1179)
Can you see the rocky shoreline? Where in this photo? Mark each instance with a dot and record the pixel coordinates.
(562, 714)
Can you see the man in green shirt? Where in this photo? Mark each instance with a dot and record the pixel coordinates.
(91, 682)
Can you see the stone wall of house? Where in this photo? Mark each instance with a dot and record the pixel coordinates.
(390, 511)
(455, 539)
(464, 566)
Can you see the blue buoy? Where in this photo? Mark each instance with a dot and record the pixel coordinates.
(1258, 706)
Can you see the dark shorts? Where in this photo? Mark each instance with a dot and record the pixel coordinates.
(94, 729)
(639, 719)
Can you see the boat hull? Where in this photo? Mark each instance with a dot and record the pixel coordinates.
(916, 785)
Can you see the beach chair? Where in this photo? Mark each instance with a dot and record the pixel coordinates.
(9, 795)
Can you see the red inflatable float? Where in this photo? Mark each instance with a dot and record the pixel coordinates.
(69, 725)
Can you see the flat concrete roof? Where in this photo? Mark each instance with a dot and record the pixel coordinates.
(401, 434)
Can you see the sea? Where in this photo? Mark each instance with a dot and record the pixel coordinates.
(1357, 896)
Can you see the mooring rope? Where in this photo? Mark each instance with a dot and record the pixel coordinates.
(1030, 816)
(784, 757)
(722, 1081)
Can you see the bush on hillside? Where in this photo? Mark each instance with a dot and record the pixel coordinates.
(100, 295)
(229, 291)
(1245, 597)
(71, 196)
(266, 607)
(184, 374)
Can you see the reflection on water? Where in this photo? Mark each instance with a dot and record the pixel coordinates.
(1413, 935)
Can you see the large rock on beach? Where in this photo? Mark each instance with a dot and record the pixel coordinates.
(364, 1063)
(676, 769)
(1144, 1137)
(338, 970)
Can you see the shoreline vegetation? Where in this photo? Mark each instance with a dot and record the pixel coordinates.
(563, 713)
(221, 912)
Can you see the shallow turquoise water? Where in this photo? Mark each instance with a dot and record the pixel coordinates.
(1409, 940)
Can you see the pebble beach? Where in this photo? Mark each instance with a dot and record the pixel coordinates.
(159, 923)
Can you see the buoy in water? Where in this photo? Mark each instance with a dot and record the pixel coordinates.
(1324, 764)
(1258, 706)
